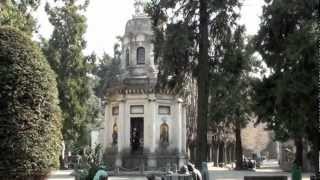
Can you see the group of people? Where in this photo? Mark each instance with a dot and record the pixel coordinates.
(249, 163)
(190, 169)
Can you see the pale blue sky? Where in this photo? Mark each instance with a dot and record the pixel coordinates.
(107, 19)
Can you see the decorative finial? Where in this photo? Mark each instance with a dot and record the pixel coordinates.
(139, 7)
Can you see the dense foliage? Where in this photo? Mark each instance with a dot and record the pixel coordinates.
(107, 72)
(91, 161)
(18, 14)
(189, 45)
(30, 119)
(230, 93)
(287, 99)
(64, 52)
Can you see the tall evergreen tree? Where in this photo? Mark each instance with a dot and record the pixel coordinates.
(18, 14)
(230, 94)
(188, 54)
(64, 53)
(287, 99)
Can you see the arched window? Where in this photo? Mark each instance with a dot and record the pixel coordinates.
(141, 55)
(127, 57)
(164, 134)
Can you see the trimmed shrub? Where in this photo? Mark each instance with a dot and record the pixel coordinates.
(30, 118)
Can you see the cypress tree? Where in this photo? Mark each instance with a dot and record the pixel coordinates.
(30, 119)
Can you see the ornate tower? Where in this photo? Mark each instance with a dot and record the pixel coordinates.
(141, 122)
(137, 61)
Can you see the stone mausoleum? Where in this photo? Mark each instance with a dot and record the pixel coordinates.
(142, 124)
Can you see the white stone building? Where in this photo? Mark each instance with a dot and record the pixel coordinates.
(142, 123)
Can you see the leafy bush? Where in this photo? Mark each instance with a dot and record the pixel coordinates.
(91, 160)
(30, 127)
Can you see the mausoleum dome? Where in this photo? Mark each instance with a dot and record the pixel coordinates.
(137, 60)
(139, 25)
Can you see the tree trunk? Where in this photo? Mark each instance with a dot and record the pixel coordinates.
(218, 153)
(221, 156)
(203, 88)
(233, 152)
(299, 151)
(238, 145)
(225, 159)
(315, 149)
(230, 154)
(316, 157)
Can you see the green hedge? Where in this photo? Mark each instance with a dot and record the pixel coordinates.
(30, 118)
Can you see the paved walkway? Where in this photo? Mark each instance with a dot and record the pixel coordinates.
(215, 173)
(66, 175)
(269, 168)
(127, 178)
(239, 175)
(61, 175)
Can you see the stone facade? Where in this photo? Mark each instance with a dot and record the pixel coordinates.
(140, 121)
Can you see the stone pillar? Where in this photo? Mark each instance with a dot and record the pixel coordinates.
(180, 130)
(121, 132)
(106, 127)
(278, 150)
(121, 123)
(210, 152)
(153, 117)
(126, 126)
(152, 163)
(178, 127)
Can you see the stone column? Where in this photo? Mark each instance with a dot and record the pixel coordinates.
(121, 125)
(152, 124)
(126, 127)
(121, 132)
(153, 116)
(178, 129)
(106, 127)
(210, 152)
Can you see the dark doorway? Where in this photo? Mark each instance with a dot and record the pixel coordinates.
(136, 135)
